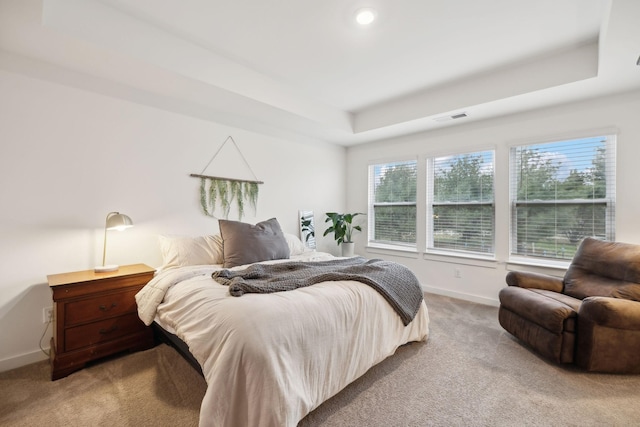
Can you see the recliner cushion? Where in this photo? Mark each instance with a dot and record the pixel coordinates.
(607, 269)
(574, 303)
(580, 284)
(536, 307)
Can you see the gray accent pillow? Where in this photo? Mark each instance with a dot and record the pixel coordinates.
(244, 243)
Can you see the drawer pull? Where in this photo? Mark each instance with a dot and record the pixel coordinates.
(105, 308)
(108, 331)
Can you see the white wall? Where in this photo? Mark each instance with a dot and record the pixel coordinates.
(68, 157)
(481, 281)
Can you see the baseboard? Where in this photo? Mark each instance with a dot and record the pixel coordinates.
(461, 295)
(22, 360)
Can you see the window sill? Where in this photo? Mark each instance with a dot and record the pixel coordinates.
(401, 251)
(488, 261)
(515, 262)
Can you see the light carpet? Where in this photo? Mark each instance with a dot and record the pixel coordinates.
(469, 373)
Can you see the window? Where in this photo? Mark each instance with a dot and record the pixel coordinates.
(392, 203)
(461, 208)
(561, 192)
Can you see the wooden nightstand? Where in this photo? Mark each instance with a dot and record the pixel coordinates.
(95, 315)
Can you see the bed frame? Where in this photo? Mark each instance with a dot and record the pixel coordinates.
(162, 336)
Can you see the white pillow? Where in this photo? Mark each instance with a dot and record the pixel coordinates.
(180, 251)
(296, 247)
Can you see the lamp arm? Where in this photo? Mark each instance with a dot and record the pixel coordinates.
(104, 247)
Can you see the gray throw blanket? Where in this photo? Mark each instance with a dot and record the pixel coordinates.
(395, 282)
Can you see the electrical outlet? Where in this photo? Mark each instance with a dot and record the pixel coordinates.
(457, 273)
(47, 314)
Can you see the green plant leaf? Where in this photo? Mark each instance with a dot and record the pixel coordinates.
(203, 196)
(342, 227)
(224, 192)
(239, 199)
(212, 197)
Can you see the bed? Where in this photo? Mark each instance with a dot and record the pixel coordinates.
(270, 358)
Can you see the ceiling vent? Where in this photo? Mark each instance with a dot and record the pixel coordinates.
(451, 117)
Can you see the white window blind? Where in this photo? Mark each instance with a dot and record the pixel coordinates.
(561, 192)
(392, 203)
(461, 207)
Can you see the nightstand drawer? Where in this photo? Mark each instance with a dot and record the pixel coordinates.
(100, 307)
(105, 330)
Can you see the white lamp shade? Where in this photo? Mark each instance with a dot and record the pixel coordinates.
(118, 221)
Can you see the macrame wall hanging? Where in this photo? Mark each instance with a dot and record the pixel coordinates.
(220, 191)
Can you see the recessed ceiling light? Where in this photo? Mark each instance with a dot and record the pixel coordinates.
(365, 16)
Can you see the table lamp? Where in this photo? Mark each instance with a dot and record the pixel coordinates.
(115, 221)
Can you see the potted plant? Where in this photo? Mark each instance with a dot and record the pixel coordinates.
(342, 228)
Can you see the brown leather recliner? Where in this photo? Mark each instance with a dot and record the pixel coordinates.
(590, 318)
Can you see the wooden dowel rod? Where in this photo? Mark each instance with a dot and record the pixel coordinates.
(195, 175)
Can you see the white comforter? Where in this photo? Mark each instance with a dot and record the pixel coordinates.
(270, 359)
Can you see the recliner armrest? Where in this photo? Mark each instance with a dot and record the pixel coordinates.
(611, 312)
(525, 279)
